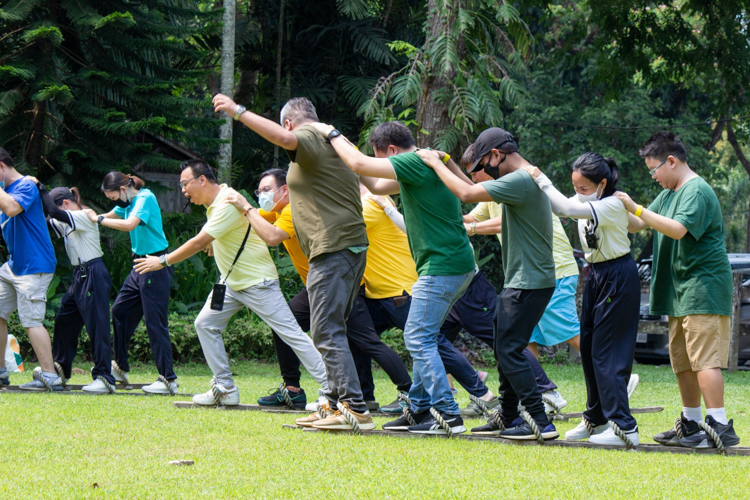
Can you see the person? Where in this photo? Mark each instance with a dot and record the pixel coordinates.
(444, 260)
(248, 274)
(273, 196)
(331, 234)
(611, 299)
(86, 302)
(691, 283)
(26, 276)
(529, 271)
(137, 213)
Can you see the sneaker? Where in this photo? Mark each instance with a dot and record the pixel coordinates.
(402, 424)
(473, 409)
(337, 422)
(120, 376)
(97, 387)
(227, 397)
(159, 387)
(276, 398)
(431, 426)
(483, 376)
(322, 412)
(38, 386)
(523, 432)
(582, 430)
(632, 384)
(608, 437)
(670, 438)
(493, 427)
(5, 378)
(702, 439)
(372, 405)
(553, 402)
(314, 405)
(398, 406)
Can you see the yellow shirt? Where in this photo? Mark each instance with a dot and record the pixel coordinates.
(562, 252)
(390, 267)
(227, 226)
(284, 222)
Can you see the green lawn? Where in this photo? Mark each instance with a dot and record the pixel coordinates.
(77, 446)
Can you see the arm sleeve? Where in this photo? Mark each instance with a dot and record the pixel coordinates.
(481, 212)
(25, 194)
(224, 219)
(694, 212)
(140, 209)
(51, 208)
(396, 217)
(562, 206)
(285, 223)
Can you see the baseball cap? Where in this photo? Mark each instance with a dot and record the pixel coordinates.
(60, 194)
(492, 138)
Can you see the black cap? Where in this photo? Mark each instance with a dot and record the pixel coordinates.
(60, 194)
(492, 138)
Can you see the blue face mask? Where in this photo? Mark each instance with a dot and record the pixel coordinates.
(265, 200)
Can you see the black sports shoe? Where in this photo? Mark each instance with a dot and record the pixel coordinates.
(523, 432)
(494, 425)
(669, 438)
(702, 439)
(299, 399)
(372, 405)
(402, 423)
(431, 426)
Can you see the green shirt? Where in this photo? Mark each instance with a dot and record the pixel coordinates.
(691, 275)
(527, 231)
(324, 195)
(433, 219)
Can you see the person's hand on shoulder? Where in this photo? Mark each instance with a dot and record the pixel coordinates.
(33, 179)
(323, 128)
(225, 104)
(90, 214)
(381, 201)
(629, 204)
(534, 172)
(239, 201)
(431, 158)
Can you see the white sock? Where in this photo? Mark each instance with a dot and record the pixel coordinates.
(693, 414)
(719, 414)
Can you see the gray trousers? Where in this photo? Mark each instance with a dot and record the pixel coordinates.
(266, 300)
(332, 284)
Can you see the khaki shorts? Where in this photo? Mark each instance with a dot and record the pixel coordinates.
(26, 293)
(699, 342)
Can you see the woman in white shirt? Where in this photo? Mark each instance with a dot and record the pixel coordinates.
(611, 299)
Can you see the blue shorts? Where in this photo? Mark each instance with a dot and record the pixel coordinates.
(559, 322)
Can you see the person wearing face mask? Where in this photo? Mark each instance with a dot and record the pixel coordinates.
(137, 213)
(86, 303)
(25, 277)
(611, 299)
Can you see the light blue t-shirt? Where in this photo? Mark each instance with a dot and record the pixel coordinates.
(26, 234)
(148, 237)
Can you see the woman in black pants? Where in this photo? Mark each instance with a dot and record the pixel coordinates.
(611, 299)
(87, 300)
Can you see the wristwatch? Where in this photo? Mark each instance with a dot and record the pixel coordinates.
(100, 219)
(163, 260)
(333, 133)
(240, 109)
(473, 226)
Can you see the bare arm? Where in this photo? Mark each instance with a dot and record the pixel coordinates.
(665, 225)
(466, 193)
(269, 233)
(188, 249)
(457, 171)
(381, 186)
(126, 225)
(468, 219)
(635, 224)
(8, 205)
(267, 129)
(490, 226)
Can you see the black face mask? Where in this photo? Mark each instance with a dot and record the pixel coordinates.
(494, 172)
(122, 204)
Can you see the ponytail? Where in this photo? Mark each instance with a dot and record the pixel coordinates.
(77, 197)
(595, 168)
(115, 180)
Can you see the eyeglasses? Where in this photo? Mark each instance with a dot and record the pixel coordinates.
(265, 190)
(185, 183)
(652, 171)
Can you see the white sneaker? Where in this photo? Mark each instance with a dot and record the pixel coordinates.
(120, 376)
(228, 397)
(160, 387)
(580, 431)
(97, 387)
(315, 404)
(632, 384)
(553, 402)
(608, 437)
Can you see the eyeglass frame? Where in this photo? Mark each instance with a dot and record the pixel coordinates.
(267, 189)
(183, 184)
(652, 172)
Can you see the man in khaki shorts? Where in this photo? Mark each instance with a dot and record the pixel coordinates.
(691, 282)
(27, 274)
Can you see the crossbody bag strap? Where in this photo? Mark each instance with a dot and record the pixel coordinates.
(236, 258)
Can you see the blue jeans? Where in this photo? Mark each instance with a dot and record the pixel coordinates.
(432, 299)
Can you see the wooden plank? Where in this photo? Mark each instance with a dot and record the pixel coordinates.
(240, 407)
(734, 332)
(75, 387)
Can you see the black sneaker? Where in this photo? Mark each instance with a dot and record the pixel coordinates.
(276, 398)
(670, 438)
(372, 405)
(398, 406)
(523, 432)
(402, 424)
(702, 439)
(431, 426)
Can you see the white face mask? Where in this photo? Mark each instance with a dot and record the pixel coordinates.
(585, 198)
(265, 200)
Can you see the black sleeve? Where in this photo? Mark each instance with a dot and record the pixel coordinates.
(51, 209)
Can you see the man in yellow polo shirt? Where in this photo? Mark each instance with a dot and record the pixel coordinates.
(273, 197)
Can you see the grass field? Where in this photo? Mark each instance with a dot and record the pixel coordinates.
(78, 446)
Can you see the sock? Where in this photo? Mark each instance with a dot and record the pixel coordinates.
(719, 414)
(52, 375)
(693, 414)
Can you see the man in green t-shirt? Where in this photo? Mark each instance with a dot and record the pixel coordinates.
(325, 201)
(529, 272)
(443, 256)
(691, 282)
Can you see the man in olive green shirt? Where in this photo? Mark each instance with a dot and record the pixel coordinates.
(324, 195)
(691, 282)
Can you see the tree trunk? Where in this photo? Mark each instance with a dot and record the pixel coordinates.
(227, 88)
(279, 48)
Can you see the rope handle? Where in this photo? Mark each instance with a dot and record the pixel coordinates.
(37, 375)
(441, 421)
(350, 419)
(711, 432)
(530, 421)
(110, 387)
(486, 412)
(61, 374)
(620, 434)
(286, 397)
(218, 391)
(123, 375)
(163, 379)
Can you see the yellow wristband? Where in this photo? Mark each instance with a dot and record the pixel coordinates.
(638, 210)
(446, 158)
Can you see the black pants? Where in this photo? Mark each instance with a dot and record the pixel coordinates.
(85, 303)
(363, 342)
(517, 313)
(609, 327)
(144, 296)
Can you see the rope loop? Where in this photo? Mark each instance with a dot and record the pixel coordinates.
(532, 423)
(323, 410)
(441, 421)
(486, 411)
(163, 379)
(711, 432)
(120, 373)
(286, 397)
(218, 391)
(555, 408)
(589, 426)
(110, 387)
(37, 375)
(496, 417)
(61, 374)
(350, 419)
(679, 429)
(620, 434)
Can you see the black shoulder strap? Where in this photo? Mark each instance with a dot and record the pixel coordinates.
(236, 258)
(593, 212)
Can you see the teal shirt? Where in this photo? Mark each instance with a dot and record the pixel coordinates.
(148, 237)
(433, 218)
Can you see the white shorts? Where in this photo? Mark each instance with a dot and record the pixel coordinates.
(26, 293)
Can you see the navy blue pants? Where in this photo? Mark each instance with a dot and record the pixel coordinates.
(364, 343)
(86, 303)
(144, 296)
(609, 328)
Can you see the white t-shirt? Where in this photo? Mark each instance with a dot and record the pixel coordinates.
(612, 229)
(81, 237)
